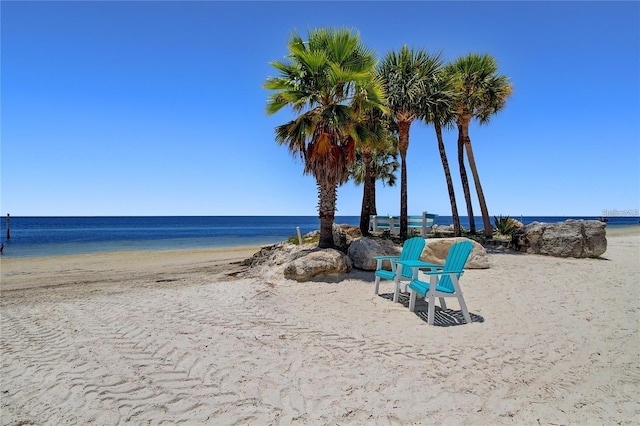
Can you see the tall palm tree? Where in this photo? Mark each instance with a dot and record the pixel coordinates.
(405, 75)
(438, 110)
(373, 162)
(329, 80)
(464, 180)
(480, 92)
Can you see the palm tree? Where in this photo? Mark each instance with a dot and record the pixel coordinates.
(405, 75)
(464, 180)
(437, 110)
(329, 81)
(479, 93)
(373, 162)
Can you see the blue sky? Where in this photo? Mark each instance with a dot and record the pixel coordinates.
(157, 108)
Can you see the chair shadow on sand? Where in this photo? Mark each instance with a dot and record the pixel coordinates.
(443, 317)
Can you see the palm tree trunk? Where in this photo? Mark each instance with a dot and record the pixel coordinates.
(368, 194)
(465, 181)
(403, 146)
(372, 196)
(488, 230)
(327, 208)
(447, 174)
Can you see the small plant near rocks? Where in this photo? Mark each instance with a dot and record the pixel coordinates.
(310, 238)
(504, 225)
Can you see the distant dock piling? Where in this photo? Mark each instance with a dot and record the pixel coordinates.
(8, 226)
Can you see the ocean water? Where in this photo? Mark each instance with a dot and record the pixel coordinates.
(49, 236)
(46, 236)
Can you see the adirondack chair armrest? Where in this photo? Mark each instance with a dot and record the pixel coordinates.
(392, 260)
(418, 264)
(444, 272)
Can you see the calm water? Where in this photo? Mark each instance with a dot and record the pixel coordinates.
(47, 236)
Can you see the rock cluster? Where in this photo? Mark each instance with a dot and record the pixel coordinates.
(572, 238)
(304, 262)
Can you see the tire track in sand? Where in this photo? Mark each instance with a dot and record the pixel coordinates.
(171, 356)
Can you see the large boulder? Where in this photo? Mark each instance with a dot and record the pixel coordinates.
(298, 262)
(361, 252)
(269, 263)
(317, 262)
(436, 250)
(572, 238)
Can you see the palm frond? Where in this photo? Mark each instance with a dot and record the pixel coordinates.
(478, 90)
(329, 80)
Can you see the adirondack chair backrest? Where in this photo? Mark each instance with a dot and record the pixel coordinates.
(456, 259)
(411, 250)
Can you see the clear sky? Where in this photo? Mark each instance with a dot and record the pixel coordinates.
(157, 108)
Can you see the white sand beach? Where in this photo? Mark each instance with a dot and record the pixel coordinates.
(183, 337)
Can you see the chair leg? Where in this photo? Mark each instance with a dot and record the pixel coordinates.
(396, 283)
(463, 308)
(396, 292)
(431, 309)
(412, 300)
(463, 305)
(443, 304)
(377, 285)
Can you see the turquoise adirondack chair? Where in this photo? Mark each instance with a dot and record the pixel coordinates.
(444, 281)
(411, 250)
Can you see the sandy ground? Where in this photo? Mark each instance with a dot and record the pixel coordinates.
(183, 337)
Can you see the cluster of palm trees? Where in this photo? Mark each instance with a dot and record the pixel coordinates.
(354, 115)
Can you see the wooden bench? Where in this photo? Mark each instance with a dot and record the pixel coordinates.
(423, 223)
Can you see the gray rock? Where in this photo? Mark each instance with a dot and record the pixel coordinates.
(595, 238)
(276, 254)
(344, 235)
(442, 229)
(361, 252)
(270, 261)
(445, 229)
(516, 223)
(572, 238)
(317, 262)
(436, 250)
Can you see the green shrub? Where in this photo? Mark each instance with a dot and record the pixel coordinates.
(306, 239)
(504, 224)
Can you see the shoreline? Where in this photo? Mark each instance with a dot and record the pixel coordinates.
(77, 269)
(28, 247)
(615, 231)
(115, 248)
(622, 230)
(68, 270)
